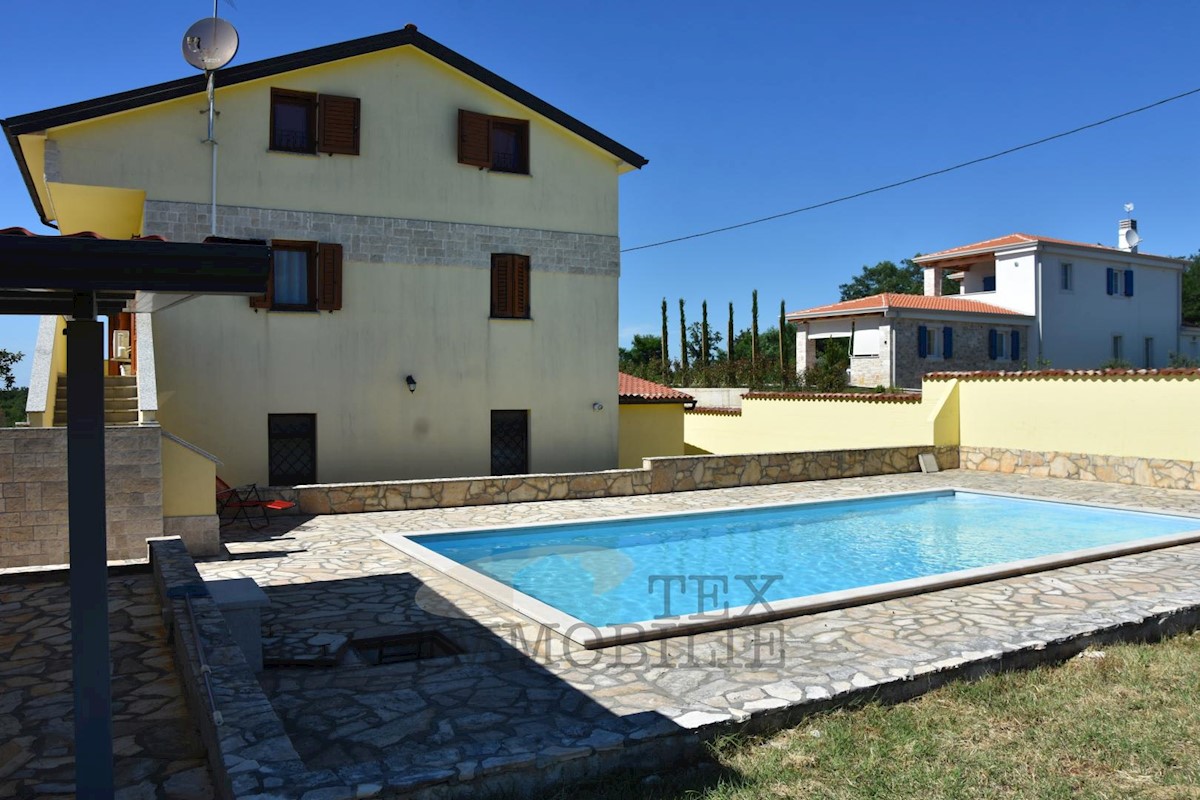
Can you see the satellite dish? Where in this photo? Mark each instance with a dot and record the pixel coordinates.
(1130, 237)
(210, 44)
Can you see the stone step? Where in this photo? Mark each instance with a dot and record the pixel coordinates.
(120, 390)
(109, 380)
(120, 417)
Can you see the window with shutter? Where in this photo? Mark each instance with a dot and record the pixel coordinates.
(922, 342)
(993, 337)
(307, 122)
(1016, 346)
(496, 143)
(947, 342)
(1111, 276)
(510, 286)
(338, 118)
(1129, 283)
(304, 276)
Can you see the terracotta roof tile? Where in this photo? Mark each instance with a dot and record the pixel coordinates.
(631, 388)
(1011, 240)
(882, 302)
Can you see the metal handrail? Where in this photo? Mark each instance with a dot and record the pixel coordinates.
(189, 591)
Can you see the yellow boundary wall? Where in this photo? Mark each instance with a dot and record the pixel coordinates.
(1152, 414)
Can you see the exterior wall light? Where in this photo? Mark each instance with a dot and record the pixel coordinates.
(412, 383)
(597, 406)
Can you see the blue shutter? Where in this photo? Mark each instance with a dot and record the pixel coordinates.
(1016, 345)
(1111, 276)
(992, 336)
(922, 342)
(1129, 283)
(947, 342)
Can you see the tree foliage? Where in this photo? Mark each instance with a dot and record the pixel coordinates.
(645, 349)
(8, 360)
(12, 406)
(886, 276)
(1191, 290)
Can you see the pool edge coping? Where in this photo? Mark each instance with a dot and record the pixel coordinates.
(593, 637)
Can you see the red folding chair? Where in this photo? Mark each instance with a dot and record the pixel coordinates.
(244, 499)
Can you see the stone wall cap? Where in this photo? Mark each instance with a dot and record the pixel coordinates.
(716, 411)
(233, 594)
(852, 397)
(1044, 374)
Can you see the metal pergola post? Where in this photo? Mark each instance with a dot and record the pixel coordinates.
(89, 553)
(81, 278)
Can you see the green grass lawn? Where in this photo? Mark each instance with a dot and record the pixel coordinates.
(1123, 726)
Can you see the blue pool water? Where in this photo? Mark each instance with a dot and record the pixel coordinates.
(612, 572)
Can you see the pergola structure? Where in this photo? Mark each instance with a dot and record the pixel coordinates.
(81, 277)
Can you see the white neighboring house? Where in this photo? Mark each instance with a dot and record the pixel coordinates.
(1024, 301)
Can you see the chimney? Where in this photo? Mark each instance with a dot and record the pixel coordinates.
(1127, 236)
(933, 282)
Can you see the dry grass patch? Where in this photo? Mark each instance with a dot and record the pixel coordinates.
(1126, 725)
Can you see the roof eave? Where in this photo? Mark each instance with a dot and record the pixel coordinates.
(801, 316)
(23, 167)
(960, 313)
(626, 400)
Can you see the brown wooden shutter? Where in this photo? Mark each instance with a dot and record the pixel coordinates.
(502, 297)
(329, 277)
(264, 300)
(520, 284)
(474, 139)
(337, 120)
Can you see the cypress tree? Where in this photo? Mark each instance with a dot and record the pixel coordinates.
(704, 333)
(666, 352)
(729, 342)
(683, 353)
(754, 327)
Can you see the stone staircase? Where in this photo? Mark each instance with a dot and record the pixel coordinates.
(120, 400)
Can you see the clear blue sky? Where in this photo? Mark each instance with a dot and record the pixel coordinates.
(750, 109)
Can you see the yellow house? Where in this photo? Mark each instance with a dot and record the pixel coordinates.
(444, 290)
(651, 420)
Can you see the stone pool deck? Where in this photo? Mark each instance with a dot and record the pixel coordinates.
(524, 707)
(157, 751)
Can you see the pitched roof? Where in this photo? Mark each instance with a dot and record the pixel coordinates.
(408, 35)
(38, 121)
(878, 303)
(640, 390)
(1013, 240)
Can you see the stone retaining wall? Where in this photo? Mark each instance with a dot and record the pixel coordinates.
(1160, 473)
(249, 751)
(33, 481)
(657, 475)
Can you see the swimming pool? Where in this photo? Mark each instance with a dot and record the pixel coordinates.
(637, 578)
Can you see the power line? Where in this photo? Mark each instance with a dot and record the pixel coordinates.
(935, 173)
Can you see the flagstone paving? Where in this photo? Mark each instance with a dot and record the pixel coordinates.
(522, 697)
(157, 751)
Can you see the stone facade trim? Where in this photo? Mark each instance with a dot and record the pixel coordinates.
(389, 240)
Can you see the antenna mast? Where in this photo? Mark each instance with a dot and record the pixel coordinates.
(209, 45)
